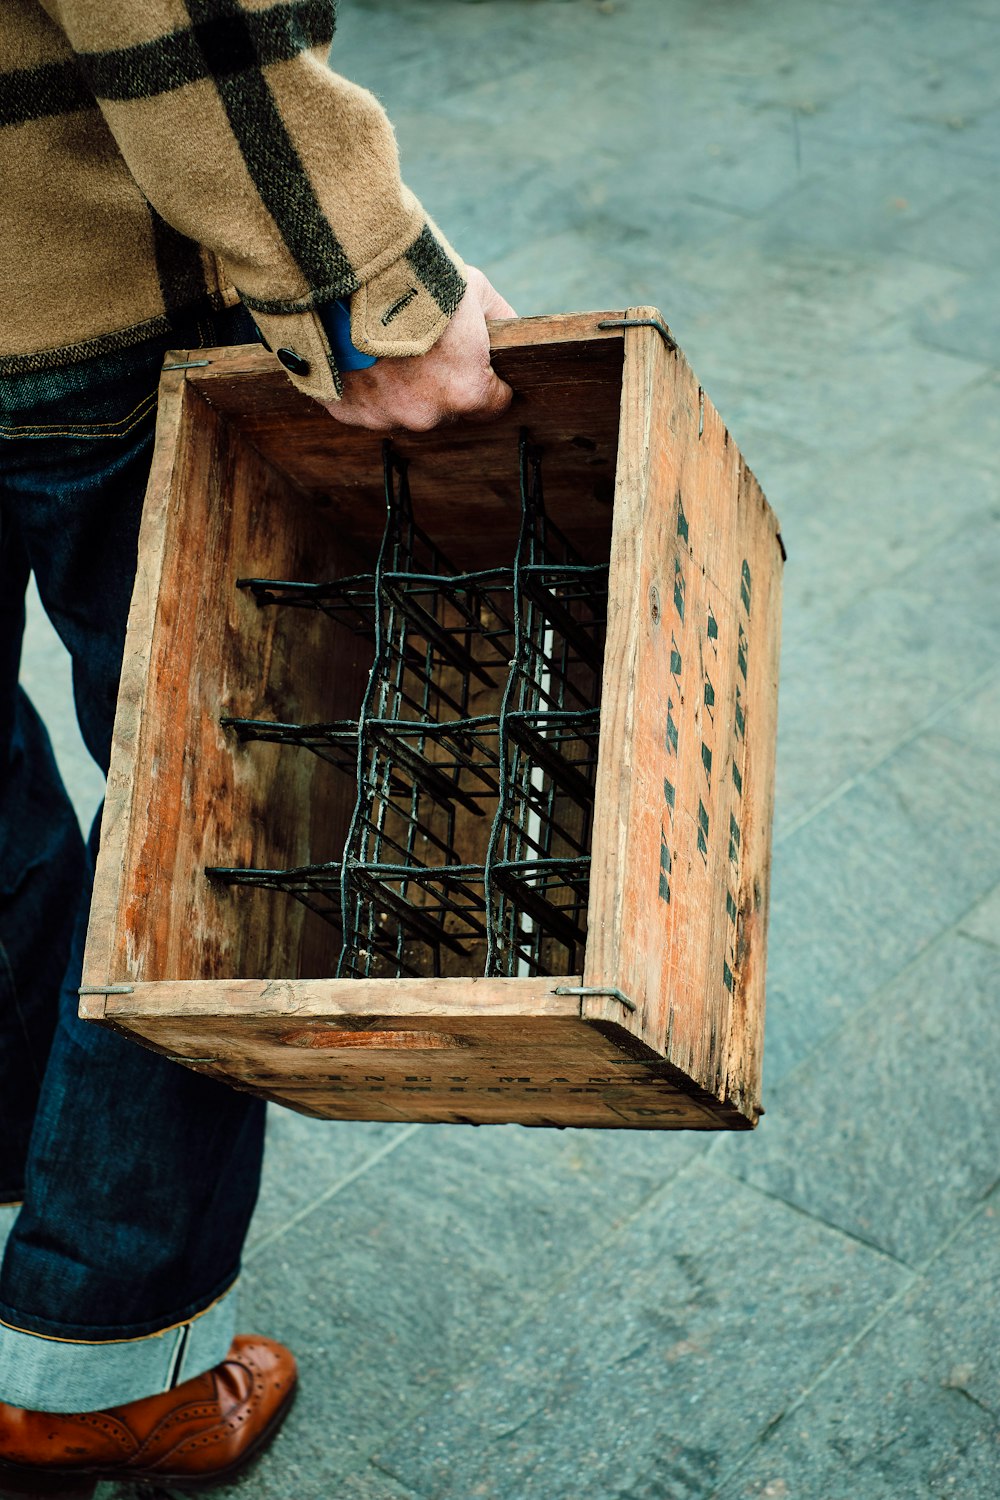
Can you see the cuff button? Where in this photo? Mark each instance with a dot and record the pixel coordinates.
(293, 362)
(261, 337)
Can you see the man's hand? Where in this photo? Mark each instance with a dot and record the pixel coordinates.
(452, 380)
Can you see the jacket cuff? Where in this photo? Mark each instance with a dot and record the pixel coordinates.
(405, 306)
(299, 342)
(401, 309)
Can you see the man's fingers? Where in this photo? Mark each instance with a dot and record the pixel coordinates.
(496, 398)
(490, 300)
(495, 306)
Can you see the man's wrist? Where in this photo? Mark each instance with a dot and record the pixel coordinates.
(336, 320)
(314, 347)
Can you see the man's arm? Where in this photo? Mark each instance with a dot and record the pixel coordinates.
(244, 141)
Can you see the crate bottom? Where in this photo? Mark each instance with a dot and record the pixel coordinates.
(556, 1071)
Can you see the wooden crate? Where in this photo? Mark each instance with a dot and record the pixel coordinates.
(659, 1022)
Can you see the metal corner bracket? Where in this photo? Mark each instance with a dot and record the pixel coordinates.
(587, 990)
(656, 323)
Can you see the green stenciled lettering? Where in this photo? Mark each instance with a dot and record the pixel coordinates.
(671, 728)
(665, 867)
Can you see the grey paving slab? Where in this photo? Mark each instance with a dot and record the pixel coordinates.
(966, 320)
(139, 1491)
(754, 60)
(964, 231)
(581, 271)
(869, 675)
(946, 1449)
(798, 298)
(836, 555)
(535, 190)
(547, 106)
(980, 137)
(749, 171)
(664, 223)
(967, 425)
(940, 36)
(371, 1484)
(46, 678)
(657, 1348)
(306, 1160)
(378, 37)
(976, 720)
(841, 401)
(869, 200)
(869, 114)
(398, 1284)
(130, 1492)
(858, 51)
(426, 51)
(834, 320)
(914, 1410)
(916, 12)
(859, 892)
(983, 921)
(887, 1130)
(7, 1217)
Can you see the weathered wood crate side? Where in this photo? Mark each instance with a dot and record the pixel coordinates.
(232, 984)
(681, 850)
(177, 792)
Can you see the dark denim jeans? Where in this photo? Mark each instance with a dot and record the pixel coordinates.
(138, 1177)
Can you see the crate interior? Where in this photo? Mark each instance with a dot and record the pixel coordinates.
(470, 746)
(393, 691)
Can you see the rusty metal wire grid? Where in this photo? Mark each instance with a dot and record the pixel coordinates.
(474, 750)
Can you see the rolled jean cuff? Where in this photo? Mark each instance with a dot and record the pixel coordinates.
(57, 1375)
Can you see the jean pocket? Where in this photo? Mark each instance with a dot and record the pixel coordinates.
(83, 421)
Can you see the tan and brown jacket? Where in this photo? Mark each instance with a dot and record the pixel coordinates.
(157, 156)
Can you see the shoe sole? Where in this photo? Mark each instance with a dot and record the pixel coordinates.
(20, 1480)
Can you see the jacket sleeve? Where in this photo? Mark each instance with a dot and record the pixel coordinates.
(243, 140)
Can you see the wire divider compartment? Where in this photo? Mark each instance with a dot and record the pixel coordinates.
(529, 637)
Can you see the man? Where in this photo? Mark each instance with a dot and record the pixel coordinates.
(174, 173)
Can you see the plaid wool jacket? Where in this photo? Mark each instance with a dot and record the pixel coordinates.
(161, 155)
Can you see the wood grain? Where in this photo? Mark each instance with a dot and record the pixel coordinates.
(463, 1068)
(566, 376)
(681, 848)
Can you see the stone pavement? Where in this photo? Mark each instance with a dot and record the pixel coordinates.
(809, 190)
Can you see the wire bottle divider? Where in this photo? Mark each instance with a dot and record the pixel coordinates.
(529, 639)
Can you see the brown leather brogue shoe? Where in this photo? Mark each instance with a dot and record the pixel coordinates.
(199, 1434)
